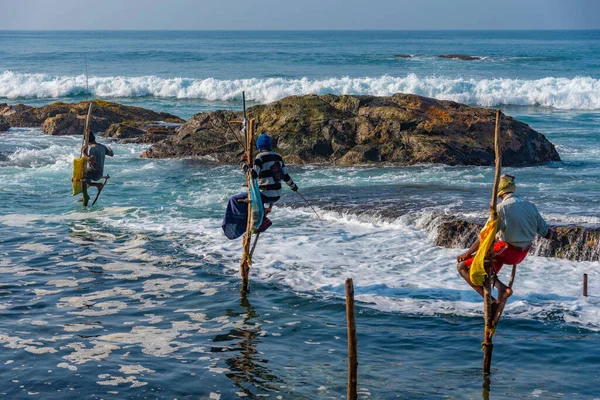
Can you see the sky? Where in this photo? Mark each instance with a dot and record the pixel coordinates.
(298, 15)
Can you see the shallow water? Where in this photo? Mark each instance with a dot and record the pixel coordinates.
(138, 297)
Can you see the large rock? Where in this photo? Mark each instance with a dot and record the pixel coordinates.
(66, 118)
(4, 125)
(576, 243)
(345, 130)
(140, 132)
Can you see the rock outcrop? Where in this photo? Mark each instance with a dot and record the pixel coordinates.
(346, 130)
(463, 57)
(4, 125)
(575, 243)
(69, 119)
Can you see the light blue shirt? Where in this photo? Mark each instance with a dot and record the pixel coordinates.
(519, 221)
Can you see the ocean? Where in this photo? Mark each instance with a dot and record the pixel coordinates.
(138, 296)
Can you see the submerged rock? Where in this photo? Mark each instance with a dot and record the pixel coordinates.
(401, 129)
(575, 243)
(402, 56)
(4, 125)
(460, 57)
(69, 118)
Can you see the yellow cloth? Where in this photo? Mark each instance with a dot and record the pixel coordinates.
(78, 174)
(486, 242)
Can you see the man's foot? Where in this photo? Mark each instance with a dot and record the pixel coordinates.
(504, 294)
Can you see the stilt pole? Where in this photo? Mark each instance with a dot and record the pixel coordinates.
(84, 149)
(352, 342)
(488, 346)
(585, 285)
(246, 260)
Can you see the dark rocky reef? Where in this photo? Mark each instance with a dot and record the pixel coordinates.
(4, 125)
(460, 57)
(402, 56)
(575, 243)
(401, 129)
(69, 118)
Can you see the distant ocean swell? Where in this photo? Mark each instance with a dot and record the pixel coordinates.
(579, 93)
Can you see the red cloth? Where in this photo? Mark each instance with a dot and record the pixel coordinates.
(504, 253)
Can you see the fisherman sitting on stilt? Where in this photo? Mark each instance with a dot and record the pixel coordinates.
(270, 170)
(95, 155)
(518, 223)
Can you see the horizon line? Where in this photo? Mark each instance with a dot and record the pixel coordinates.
(303, 30)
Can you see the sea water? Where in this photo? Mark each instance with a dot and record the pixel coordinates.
(138, 296)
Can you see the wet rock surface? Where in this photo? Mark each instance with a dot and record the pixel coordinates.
(4, 125)
(349, 130)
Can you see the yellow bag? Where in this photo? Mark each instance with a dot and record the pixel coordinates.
(487, 237)
(78, 174)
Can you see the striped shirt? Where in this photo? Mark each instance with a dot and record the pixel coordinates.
(270, 170)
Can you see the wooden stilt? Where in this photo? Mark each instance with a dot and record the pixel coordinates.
(487, 344)
(585, 285)
(84, 150)
(246, 260)
(352, 342)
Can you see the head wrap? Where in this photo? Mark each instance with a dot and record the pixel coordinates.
(507, 185)
(264, 142)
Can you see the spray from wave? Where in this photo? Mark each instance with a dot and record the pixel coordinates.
(580, 93)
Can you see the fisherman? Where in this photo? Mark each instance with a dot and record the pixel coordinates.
(269, 168)
(518, 223)
(95, 155)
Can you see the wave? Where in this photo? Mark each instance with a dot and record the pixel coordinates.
(580, 93)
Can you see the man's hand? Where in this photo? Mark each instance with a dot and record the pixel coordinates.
(463, 257)
(294, 188)
(551, 235)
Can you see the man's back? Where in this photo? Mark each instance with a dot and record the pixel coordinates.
(98, 152)
(519, 221)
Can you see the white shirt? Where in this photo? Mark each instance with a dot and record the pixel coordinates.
(519, 221)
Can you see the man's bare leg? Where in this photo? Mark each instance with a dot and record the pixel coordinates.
(504, 292)
(464, 272)
(96, 184)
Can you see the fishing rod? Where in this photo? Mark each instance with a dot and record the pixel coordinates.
(86, 79)
(310, 205)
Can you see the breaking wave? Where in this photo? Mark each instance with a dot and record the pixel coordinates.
(579, 93)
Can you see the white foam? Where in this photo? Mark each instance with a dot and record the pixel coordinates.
(564, 93)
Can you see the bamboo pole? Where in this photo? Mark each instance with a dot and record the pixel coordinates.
(84, 148)
(352, 342)
(585, 285)
(488, 346)
(246, 261)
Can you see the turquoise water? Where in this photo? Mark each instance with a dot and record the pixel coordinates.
(138, 297)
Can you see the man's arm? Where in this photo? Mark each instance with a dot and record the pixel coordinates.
(254, 170)
(542, 227)
(109, 151)
(287, 178)
(469, 253)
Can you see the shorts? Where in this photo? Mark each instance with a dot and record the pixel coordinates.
(92, 176)
(504, 253)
